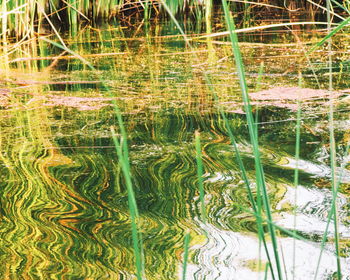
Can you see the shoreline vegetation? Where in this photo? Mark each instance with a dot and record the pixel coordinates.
(30, 18)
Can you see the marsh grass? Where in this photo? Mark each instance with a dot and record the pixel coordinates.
(260, 180)
(122, 152)
(332, 145)
(260, 175)
(296, 171)
(200, 175)
(27, 18)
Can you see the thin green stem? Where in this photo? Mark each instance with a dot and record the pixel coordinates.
(134, 215)
(200, 175)
(296, 172)
(332, 142)
(251, 127)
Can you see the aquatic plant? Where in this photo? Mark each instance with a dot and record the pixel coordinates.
(260, 180)
(29, 18)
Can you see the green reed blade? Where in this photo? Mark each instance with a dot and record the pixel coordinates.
(187, 240)
(251, 128)
(208, 10)
(296, 170)
(258, 88)
(260, 76)
(258, 191)
(332, 142)
(147, 12)
(257, 206)
(172, 17)
(134, 215)
(4, 21)
(297, 140)
(53, 9)
(229, 130)
(334, 182)
(200, 175)
(329, 35)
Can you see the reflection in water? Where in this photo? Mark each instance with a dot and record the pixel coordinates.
(64, 211)
(233, 255)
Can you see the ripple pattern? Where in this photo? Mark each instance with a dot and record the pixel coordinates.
(64, 207)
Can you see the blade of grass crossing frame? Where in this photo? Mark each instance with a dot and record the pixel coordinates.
(296, 171)
(329, 35)
(134, 215)
(332, 142)
(258, 191)
(258, 88)
(187, 240)
(257, 206)
(200, 175)
(251, 127)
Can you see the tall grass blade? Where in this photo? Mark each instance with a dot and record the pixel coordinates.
(258, 190)
(134, 215)
(341, 6)
(200, 175)
(329, 35)
(251, 128)
(332, 142)
(333, 214)
(258, 88)
(296, 171)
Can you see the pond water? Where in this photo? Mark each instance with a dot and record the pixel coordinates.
(64, 204)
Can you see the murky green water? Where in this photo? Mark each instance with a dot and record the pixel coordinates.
(64, 206)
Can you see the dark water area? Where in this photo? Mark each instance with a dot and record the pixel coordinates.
(64, 202)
